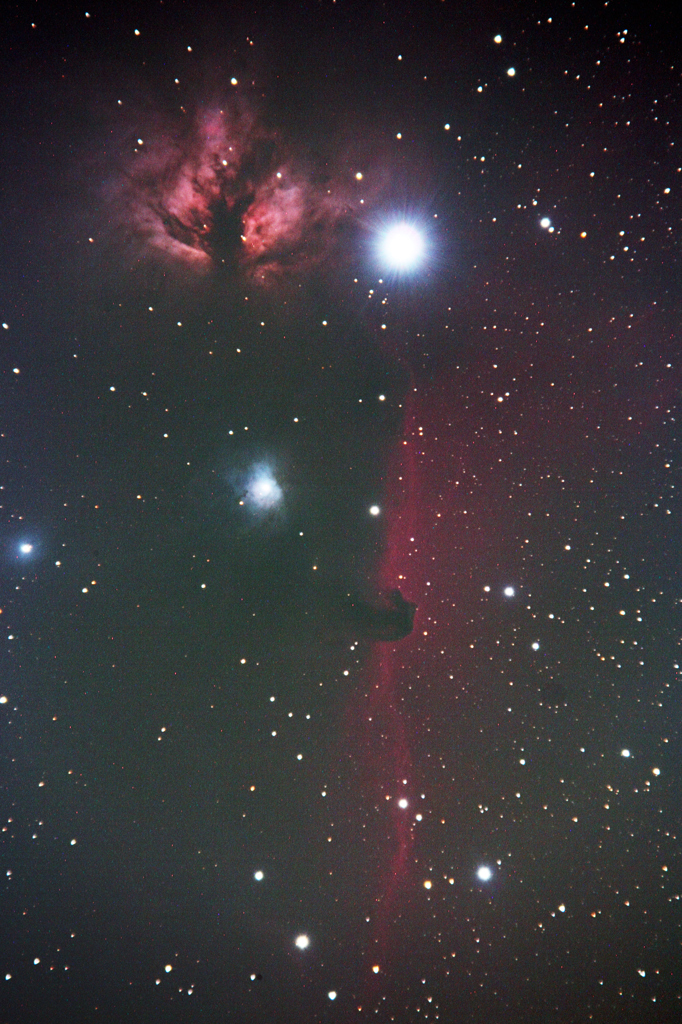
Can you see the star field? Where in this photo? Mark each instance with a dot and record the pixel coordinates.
(312, 318)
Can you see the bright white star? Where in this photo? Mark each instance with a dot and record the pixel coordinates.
(402, 247)
(484, 873)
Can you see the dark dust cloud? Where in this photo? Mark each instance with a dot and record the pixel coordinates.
(340, 549)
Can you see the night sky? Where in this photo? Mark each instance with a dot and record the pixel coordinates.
(313, 312)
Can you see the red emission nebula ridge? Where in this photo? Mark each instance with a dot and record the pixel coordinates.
(390, 665)
(415, 560)
(422, 556)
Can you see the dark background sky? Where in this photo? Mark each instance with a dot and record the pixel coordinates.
(208, 376)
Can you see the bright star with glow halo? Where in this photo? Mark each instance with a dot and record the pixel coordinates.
(402, 247)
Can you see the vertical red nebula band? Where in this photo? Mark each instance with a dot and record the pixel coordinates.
(389, 671)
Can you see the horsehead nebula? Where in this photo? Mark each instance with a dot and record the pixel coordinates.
(213, 187)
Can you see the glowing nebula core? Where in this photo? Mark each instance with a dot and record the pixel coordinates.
(262, 492)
